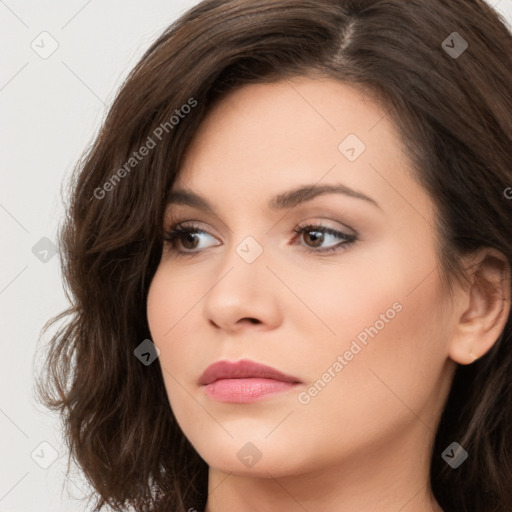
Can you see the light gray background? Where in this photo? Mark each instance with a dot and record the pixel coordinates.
(51, 108)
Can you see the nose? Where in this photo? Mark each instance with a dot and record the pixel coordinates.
(244, 295)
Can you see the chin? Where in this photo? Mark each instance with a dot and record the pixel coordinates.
(252, 455)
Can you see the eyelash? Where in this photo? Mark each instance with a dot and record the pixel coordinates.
(177, 230)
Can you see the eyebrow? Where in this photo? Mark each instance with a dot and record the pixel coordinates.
(282, 201)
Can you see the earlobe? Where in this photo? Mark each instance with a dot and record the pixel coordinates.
(484, 306)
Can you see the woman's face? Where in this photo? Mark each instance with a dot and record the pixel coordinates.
(361, 322)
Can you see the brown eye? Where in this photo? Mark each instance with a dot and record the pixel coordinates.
(189, 240)
(185, 239)
(313, 238)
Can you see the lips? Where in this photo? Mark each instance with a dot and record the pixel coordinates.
(243, 369)
(244, 381)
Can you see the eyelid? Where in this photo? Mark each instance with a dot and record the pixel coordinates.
(346, 238)
(179, 214)
(188, 225)
(173, 219)
(193, 227)
(329, 223)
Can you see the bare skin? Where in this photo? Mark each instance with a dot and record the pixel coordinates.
(361, 442)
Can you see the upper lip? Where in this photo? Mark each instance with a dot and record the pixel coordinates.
(242, 369)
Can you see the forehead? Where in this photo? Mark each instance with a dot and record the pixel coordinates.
(294, 115)
(265, 138)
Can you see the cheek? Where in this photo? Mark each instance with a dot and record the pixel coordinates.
(171, 297)
(168, 303)
(385, 384)
(393, 355)
(388, 324)
(362, 299)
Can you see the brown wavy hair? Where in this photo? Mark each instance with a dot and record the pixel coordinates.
(454, 115)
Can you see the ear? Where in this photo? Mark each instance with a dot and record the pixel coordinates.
(482, 307)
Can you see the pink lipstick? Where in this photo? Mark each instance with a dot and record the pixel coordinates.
(244, 381)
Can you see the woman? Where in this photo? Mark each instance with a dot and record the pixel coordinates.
(289, 254)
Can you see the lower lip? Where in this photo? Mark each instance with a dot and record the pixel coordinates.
(245, 390)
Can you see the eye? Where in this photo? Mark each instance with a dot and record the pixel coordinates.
(188, 235)
(318, 234)
(184, 239)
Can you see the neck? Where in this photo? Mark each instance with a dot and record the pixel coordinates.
(387, 479)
